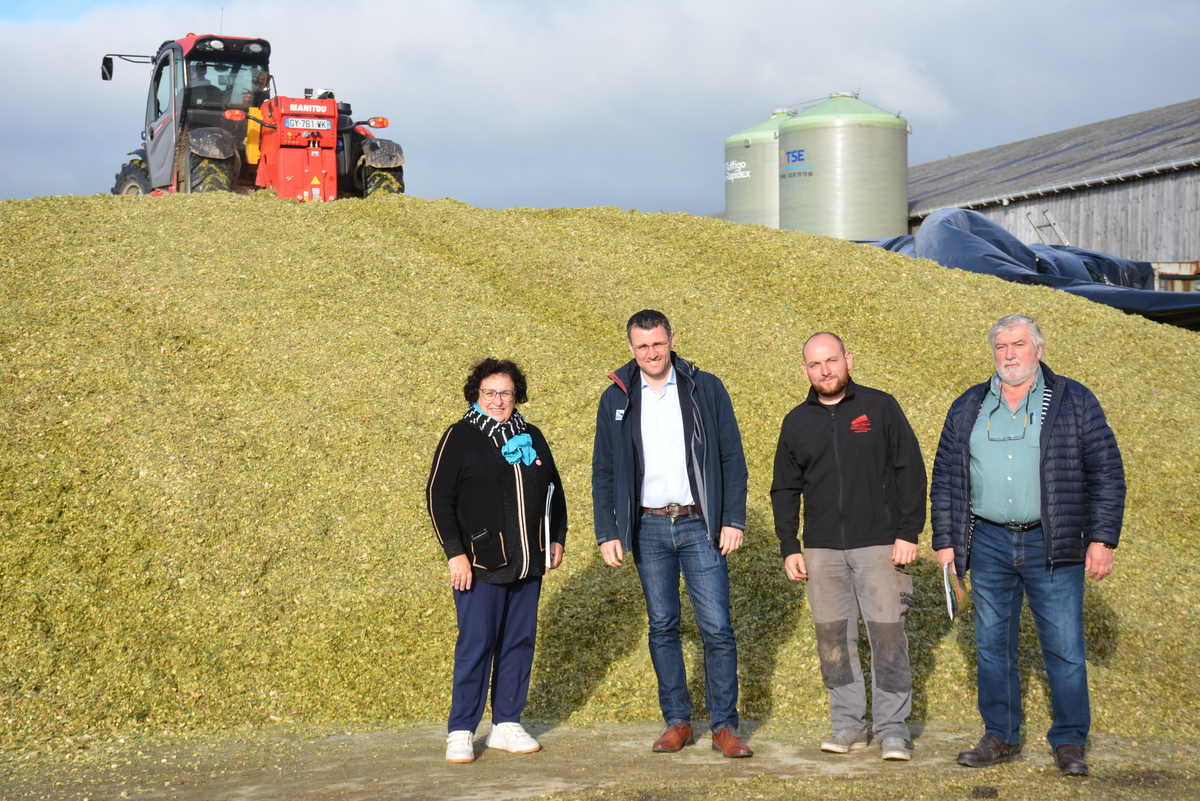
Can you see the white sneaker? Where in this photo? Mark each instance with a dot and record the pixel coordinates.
(460, 746)
(512, 737)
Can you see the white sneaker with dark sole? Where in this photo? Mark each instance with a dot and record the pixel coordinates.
(512, 737)
(460, 746)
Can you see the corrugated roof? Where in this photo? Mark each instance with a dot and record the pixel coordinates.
(1158, 140)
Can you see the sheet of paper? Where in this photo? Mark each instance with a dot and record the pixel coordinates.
(953, 591)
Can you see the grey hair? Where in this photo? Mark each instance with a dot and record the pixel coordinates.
(1012, 321)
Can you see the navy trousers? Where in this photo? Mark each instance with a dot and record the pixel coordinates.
(497, 627)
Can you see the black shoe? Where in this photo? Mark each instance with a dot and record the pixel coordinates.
(1069, 758)
(990, 751)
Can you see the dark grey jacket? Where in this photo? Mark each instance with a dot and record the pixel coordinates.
(1083, 478)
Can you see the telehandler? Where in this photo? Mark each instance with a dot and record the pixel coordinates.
(213, 123)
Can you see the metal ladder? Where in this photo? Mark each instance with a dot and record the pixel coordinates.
(1050, 223)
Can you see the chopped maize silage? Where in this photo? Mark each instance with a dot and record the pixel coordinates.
(217, 415)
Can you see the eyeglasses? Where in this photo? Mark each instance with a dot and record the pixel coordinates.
(505, 395)
(642, 350)
(1014, 437)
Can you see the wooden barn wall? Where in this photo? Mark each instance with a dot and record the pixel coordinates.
(1150, 219)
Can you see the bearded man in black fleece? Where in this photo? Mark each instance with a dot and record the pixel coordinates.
(851, 453)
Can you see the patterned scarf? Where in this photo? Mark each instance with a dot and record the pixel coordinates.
(510, 437)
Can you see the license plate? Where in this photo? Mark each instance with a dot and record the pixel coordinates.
(306, 123)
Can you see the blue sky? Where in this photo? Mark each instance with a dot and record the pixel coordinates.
(622, 103)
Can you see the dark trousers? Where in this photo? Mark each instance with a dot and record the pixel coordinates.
(497, 627)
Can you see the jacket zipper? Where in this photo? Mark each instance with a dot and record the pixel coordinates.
(633, 511)
(1047, 404)
(698, 459)
(837, 460)
(522, 531)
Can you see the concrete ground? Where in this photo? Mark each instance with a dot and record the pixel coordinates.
(409, 763)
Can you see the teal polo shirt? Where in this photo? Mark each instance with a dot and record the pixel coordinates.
(1006, 454)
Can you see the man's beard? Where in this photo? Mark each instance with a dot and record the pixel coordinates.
(1017, 379)
(836, 389)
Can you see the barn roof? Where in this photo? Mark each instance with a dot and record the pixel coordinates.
(1160, 140)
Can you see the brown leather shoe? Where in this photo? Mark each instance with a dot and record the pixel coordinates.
(990, 751)
(674, 738)
(1069, 759)
(728, 742)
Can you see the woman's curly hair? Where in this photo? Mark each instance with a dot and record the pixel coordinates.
(488, 367)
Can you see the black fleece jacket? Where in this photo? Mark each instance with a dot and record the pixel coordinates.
(858, 465)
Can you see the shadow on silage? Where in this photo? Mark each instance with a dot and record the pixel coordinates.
(598, 617)
(1101, 633)
(589, 623)
(766, 608)
(926, 624)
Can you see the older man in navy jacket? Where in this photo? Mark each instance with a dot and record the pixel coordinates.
(1028, 491)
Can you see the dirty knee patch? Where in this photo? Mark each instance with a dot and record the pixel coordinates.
(889, 657)
(833, 647)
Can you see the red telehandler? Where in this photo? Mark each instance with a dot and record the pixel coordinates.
(213, 124)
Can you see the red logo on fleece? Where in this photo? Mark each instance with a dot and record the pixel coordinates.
(860, 424)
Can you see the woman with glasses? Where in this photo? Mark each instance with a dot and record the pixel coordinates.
(498, 510)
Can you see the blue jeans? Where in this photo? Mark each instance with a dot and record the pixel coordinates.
(1006, 566)
(662, 551)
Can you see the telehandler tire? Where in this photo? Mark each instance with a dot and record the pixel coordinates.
(211, 175)
(133, 179)
(388, 182)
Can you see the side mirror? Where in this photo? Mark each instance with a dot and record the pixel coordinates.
(106, 67)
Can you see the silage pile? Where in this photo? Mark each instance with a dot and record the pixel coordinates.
(217, 415)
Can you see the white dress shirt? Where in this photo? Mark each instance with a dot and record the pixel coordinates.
(665, 479)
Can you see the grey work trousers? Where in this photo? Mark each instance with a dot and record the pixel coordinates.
(840, 584)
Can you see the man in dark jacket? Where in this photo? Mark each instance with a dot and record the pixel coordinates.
(669, 485)
(851, 453)
(1028, 492)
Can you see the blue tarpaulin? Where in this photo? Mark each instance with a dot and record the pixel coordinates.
(970, 241)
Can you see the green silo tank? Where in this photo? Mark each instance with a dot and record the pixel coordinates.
(843, 171)
(751, 177)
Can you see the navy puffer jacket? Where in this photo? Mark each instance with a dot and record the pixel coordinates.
(1083, 478)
